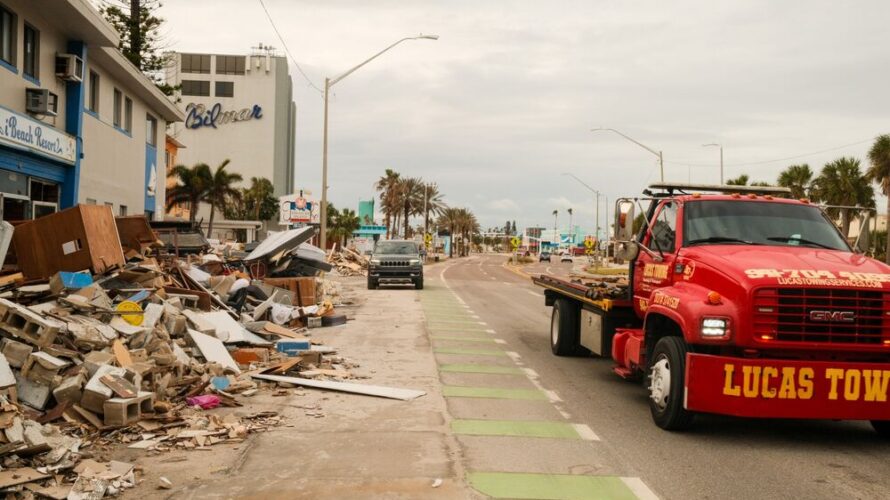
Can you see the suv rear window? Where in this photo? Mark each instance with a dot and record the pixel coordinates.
(396, 248)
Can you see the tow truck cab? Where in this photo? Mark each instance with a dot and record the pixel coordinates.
(743, 304)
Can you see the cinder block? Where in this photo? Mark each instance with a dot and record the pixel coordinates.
(27, 325)
(70, 390)
(146, 402)
(16, 352)
(93, 360)
(42, 367)
(31, 393)
(122, 411)
(95, 393)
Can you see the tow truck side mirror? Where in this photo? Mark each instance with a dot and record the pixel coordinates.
(627, 250)
(863, 241)
(624, 220)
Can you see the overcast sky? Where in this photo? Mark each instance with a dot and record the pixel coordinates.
(503, 103)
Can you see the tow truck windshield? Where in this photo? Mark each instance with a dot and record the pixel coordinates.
(712, 222)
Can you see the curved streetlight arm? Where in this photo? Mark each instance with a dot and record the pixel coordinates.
(573, 176)
(640, 144)
(375, 56)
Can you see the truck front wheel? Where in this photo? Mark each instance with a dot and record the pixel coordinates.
(666, 371)
(564, 328)
(882, 427)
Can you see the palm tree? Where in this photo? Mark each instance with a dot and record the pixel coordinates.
(450, 218)
(410, 200)
(879, 172)
(797, 178)
(842, 183)
(387, 185)
(221, 189)
(466, 224)
(259, 199)
(191, 187)
(345, 223)
(741, 180)
(434, 203)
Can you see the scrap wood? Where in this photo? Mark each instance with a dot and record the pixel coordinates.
(121, 354)
(121, 386)
(13, 477)
(281, 331)
(368, 390)
(282, 368)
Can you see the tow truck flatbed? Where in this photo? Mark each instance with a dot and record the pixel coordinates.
(580, 292)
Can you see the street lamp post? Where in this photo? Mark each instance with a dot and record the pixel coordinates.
(328, 83)
(555, 224)
(597, 207)
(640, 144)
(721, 158)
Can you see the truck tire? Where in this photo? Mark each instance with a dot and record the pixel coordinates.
(418, 283)
(666, 388)
(882, 427)
(372, 284)
(564, 328)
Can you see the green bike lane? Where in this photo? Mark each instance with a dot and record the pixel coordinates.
(515, 439)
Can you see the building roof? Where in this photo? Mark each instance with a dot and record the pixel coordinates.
(121, 68)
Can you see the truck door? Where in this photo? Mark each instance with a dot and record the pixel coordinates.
(653, 272)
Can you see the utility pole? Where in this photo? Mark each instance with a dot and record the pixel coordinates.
(555, 230)
(571, 228)
(721, 158)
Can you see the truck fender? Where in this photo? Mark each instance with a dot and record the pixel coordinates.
(685, 304)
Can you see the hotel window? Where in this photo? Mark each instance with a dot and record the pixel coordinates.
(196, 88)
(229, 65)
(195, 63)
(122, 211)
(91, 201)
(225, 89)
(128, 114)
(31, 66)
(94, 92)
(118, 103)
(151, 130)
(8, 23)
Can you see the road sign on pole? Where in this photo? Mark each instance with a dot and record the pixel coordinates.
(515, 241)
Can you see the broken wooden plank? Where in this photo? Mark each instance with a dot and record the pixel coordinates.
(122, 387)
(368, 390)
(281, 331)
(121, 354)
(22, 475)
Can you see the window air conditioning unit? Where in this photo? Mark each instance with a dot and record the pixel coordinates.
(41, 102)
(69, 67)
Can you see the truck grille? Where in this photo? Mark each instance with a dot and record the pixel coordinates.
(394, 263)
(842, 316)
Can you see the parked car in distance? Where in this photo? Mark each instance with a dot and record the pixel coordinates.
(566, 257)
(544, 256)
(395, 261)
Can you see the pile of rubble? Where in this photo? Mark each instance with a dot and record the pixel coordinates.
(106, 338)
(348, 262)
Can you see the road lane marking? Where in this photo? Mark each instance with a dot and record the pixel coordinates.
(470, 352)
(550, 486)
(500, 341)
(639, 488)
(516, 428)
(478, 368)
(585, 432)
(530, 373)
(514, 355)
(487, 340)
(455, 391)
(536, 294)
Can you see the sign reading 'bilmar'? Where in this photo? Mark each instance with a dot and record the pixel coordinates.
(21, 131)
(199, 115)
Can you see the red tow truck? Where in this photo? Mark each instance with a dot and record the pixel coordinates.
(739, 301)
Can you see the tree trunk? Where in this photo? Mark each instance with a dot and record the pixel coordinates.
(451, 246)
(210, 222)
(193, 211)
(887, 245)
(136, 32)
(388, 228)
(845, 223)
(407, 216)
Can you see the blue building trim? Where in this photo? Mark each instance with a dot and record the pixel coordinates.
(151, 157)
(26, 163)
(74, 102)
(31, 79)
(10, 67)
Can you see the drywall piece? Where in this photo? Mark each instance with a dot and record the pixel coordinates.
(230, 331)
(152, 315)
(367, 390)
(198, 322)
(275, 243)
(213, 350)
(6, 231)
(7, 378)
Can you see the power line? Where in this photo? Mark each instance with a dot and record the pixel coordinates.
(763, 162)
(287, 50)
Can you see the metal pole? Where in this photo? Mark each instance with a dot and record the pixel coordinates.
(324, 171)
(661, 165)
(721, 165)
(597, 218)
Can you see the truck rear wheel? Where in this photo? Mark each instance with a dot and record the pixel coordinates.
(564, 328)
(882, 427)
(666, 371)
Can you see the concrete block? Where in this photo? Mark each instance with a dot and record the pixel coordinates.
(16, 352)
(93, 360)
(176, 324)
(27, 325)
(146, 402)
(42, 367)
(7, 378)
(70, 390)
(95, 393)
(32, 393)
(121, 411)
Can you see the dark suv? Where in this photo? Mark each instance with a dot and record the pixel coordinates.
(395, 261)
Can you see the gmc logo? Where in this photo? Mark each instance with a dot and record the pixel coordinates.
(833, 316)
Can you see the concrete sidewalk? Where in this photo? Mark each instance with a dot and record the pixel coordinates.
(336, 445)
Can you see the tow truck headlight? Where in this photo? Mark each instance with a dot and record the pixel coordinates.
(375, 262)
(714, 327)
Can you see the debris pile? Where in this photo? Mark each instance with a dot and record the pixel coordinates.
(107, 338)
(348, 262)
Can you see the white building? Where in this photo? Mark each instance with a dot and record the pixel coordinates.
(78, 122)
(239, 108)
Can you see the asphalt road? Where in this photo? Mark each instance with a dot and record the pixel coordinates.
(720, 458)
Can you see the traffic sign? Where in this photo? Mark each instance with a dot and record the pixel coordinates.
(589, 251)
(428, 237)
(515, 242)
(588, 243)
